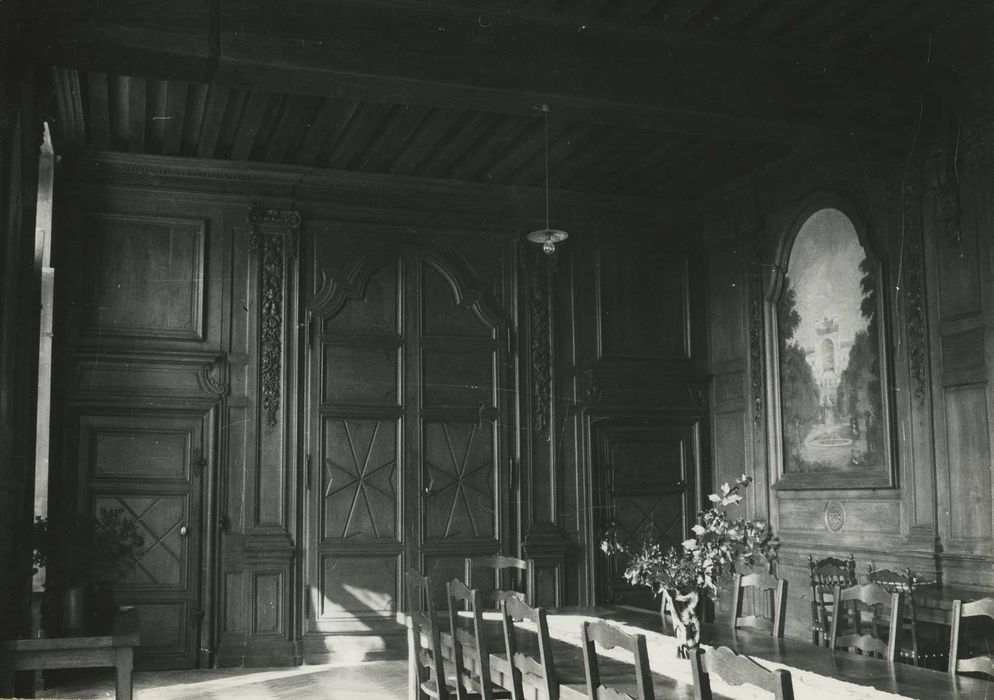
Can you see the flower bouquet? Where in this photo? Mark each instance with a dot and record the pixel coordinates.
(683, 575)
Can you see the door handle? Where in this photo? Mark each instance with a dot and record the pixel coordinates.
(183, 530)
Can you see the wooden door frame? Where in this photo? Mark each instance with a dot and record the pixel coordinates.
(597, 427)
(355, 271)
(206, 567)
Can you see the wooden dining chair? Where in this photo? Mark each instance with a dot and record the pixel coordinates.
(769, 593)
(982, 663)
(825, 575)
(422, 624)
(867, 603)
(468, 637)
(736, 670)
(918, 652)
(609, 637)
(503, 571)
(527, 670)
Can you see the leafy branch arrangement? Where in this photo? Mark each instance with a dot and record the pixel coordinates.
(100, 548)
(703, 560)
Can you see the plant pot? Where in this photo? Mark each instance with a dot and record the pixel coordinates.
(74, 617)
(88, 608)
(682, 607)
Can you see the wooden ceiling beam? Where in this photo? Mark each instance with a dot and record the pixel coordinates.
(174, 115)
(391, 52)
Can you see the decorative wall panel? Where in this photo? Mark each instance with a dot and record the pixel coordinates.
(458, 377)
(232, 604)
(357, 588)
(459, 473)
(359, 477)
(442, 315)
(962, 351)
(150, 280)
(164, 562)
(862, 516)
(362, 374)
(729, 446)
(163, 628)
(958, 275)
(642, 304)
(376, 311)
(267, 603)
(970, 495)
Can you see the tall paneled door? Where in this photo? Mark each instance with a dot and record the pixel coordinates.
(407, 431)
(150, 465)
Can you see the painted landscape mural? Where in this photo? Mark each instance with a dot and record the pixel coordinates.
(830, 394)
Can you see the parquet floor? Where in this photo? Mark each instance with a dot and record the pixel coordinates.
(368, 680)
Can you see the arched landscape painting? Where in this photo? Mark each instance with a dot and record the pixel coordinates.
(829, 342)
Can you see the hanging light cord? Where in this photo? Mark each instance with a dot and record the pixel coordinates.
(545, 114)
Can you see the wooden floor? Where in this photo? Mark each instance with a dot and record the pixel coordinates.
(368, 680)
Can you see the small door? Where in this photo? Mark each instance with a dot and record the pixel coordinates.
(645, 490)
(149, 466)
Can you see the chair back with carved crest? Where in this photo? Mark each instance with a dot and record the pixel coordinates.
(825, 575)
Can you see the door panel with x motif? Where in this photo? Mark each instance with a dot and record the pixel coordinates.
(644, 490)
(149, 466)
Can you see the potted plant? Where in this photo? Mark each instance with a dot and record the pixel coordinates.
(83, 558)
(683, 575)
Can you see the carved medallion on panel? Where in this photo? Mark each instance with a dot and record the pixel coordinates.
(835, 516)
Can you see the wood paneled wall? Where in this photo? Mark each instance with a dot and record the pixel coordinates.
(206, 322)
(624, 444)
(929, 218)
(20, 139)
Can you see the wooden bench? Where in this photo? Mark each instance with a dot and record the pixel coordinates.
(92, 651)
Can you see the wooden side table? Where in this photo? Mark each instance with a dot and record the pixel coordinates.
(115, 649)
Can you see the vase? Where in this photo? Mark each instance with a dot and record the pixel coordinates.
(74, 610)
(682, 607)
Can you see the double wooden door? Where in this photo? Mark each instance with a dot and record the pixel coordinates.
(408, 429)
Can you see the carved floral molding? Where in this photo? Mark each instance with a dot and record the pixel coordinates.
(274, 238)
(538, 270)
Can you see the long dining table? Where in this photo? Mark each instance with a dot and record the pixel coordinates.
(816, 672)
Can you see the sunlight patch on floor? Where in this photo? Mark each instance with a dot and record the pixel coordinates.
(372, 680)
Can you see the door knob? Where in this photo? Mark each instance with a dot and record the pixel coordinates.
(183, 531)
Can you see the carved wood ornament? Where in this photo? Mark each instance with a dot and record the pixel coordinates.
(755, 245)
(539, 276)
(274, 236)
(913, 285)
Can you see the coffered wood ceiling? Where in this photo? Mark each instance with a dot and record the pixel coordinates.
(650, 98)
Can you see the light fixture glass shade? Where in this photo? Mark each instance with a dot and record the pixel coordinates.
(548, 237)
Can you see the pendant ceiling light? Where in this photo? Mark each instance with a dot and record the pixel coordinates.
(547, 237)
